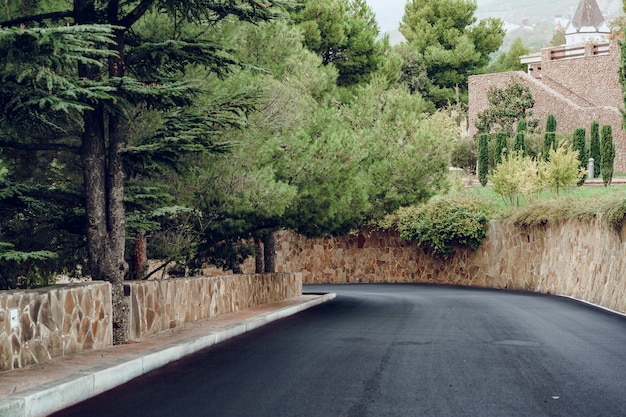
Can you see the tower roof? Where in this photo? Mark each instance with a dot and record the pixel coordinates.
(588, 15)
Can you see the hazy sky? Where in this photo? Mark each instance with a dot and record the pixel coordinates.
(389, 12)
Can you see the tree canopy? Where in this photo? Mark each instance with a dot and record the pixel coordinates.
(449, 42)
(192, 130)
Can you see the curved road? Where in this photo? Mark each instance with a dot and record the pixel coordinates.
(399, 350)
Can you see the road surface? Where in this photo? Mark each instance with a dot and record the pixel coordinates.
(399, 350)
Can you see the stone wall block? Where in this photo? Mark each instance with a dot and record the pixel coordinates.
(583, 259)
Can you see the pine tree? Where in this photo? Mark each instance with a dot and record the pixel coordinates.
(483, 158)
(594, 147)
(450, 42)
(607, 154)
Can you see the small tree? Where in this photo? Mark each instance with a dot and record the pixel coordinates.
(506, 106)
(501, 148)
(520, 137)
(607, 154)
(578, 144)
(594, 146)
(549, 138)
(516, 176)
(483, 158)
(562, 169)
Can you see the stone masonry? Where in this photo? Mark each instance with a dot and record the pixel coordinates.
(163, 304)
(585, 260)
(71, 318)
(55, 321)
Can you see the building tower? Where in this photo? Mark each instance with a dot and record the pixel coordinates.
(588, 24)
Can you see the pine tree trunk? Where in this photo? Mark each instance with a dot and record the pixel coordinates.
(104, 178)
(259, 261)
(139, 256)
(269, 253)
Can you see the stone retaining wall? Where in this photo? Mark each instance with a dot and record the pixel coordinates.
(585, 260)
(160, 305)
(53, 321)
(70, 318)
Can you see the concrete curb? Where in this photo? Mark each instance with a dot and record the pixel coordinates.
(59, 394)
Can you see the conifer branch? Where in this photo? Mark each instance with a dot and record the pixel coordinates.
(136, 13)
(8, 143)
(37, 18)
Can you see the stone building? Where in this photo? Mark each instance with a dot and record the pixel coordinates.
(577, 82)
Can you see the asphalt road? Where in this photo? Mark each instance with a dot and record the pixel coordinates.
(399, 350)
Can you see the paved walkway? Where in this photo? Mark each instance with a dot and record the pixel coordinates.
(41, 389)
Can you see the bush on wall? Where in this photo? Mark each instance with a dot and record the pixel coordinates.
(443, 223)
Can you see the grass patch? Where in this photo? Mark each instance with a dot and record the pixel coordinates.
(582, 203)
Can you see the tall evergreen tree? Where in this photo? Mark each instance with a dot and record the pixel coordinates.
(549, 137)
(520, 137)
(483, 158)
(594, 147)
(607, 154)
(86, 63)
(579, 144)
(501, 147)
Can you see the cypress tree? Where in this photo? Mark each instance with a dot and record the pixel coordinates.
(607, 154)
(578, 144)
(520, 137)
(594, 147)
(483, 158)
(501, 148)
(549, 141)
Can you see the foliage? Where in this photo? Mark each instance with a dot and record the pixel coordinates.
(483, 158)
(579, 144)
(549, 137)
(607, 154)
(520, 137)
(558, 37)
(24, 269)
(450, 43)
(464, 154)
(83, 68)
(610, 209)
(443, 223)
(510, 60)
(594, 147)
(516, 176)
(343, 33)
(562, 169)
(506, 107)
(501, 147)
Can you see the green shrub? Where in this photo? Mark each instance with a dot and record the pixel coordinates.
(444, 223)
(463, 154)
(549, 141)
